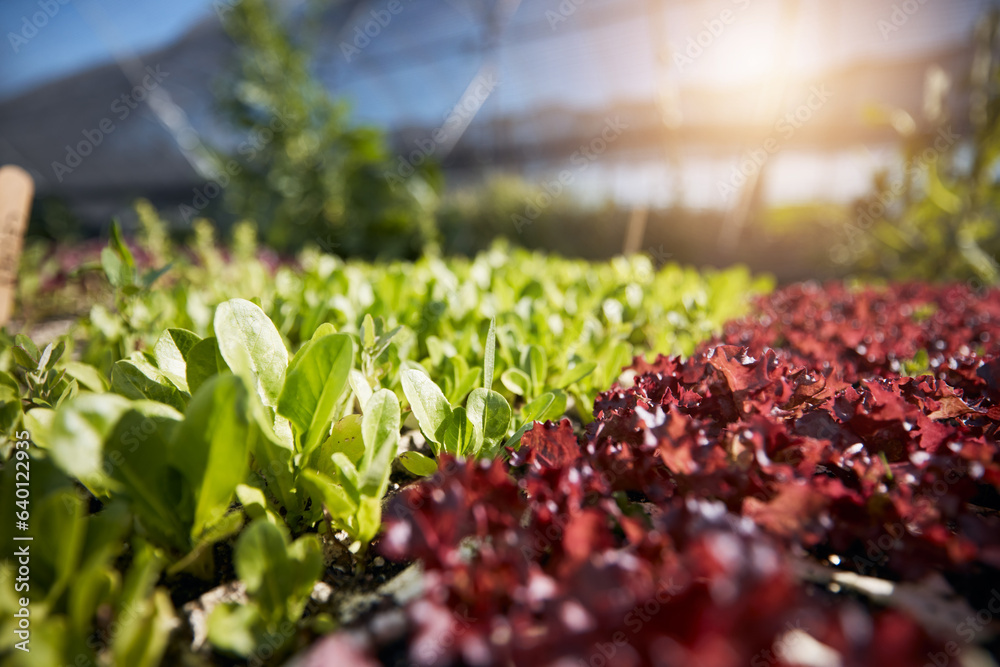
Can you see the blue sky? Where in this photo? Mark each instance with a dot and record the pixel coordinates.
(81, 33)
(582, 61)
(75, 34)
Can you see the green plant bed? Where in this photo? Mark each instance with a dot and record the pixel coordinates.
(213, 443)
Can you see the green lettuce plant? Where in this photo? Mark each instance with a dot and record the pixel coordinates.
(279, 576)
(178, 471)
(74, 581)
(478, 429)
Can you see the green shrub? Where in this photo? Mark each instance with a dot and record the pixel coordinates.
(938, 219)
(302, 169)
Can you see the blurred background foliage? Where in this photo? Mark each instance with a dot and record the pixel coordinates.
(938, 215)
(323, 181)
(312, 175)
(308, 175)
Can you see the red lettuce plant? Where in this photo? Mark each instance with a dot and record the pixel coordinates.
(686, 525)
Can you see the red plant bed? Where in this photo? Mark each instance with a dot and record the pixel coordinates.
(783, 481)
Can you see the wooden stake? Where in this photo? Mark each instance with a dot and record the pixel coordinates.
(16, 191)
(636, 230)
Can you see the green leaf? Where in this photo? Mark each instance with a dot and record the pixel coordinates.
(324, 490)
(273, 457)
(141, 640)
(220, 530)
(153, 275)
(229, 525)
(618, 358)
(515, 439)
(305, 556)
(144, 616)
(369, 519)
(322, 330)
(380, 430)
(383, 340)
(137, 457)
(418, 464)
(939, 194)
(429, 405)
(28, 348)
(23, 359)
(254, 502)
(252, 347)
(50, 355)
(94, 587)
(346, 439)
(39, 422)
(489, 358)
(490, 415)
(70, 390)
(347, 476)
(87, 375)
(919, 365)
(368, 333)
(574, 375)
(359, 384)
(171, 352)
(211, 447)
(201, 363)
(458, 435)
(51, 643)
(279, 577)
(550, 405)
(60, 545)
(117, 243)
(438, 350)
(584, 398)
(516, 381)
(466, 383)
(536, 366)
(10, 403)
(236, 628)
(142, 575)
(118, 272)
(78, 431)
(314, 384)
(144, 631)
(138, 379)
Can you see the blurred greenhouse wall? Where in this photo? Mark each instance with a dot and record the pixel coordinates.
(704, 108)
